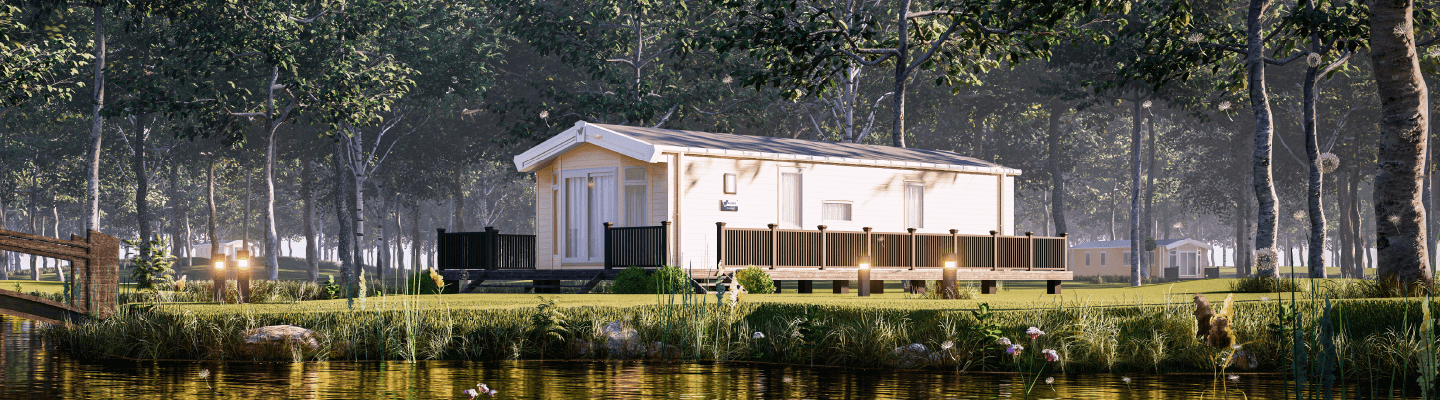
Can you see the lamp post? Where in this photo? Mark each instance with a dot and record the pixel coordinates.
(242, 275)
(864, 271)
(217, 260)
(947, 276)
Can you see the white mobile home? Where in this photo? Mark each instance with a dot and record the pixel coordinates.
(630, 176)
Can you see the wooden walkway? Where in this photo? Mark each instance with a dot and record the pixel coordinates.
(94, 269)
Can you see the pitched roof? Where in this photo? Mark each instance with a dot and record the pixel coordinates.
(647, 144)
(1125, 244)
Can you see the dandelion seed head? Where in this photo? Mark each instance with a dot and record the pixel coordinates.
(1266, 259)
(1049, 380)
(726, 80)
(1313, 60)
(1299, 215)
(1195, 37)
(545, 114)
(1434, 51)
(1147, 104)
(205, 373)
(947, 345)
(1224, 105)
(1327, 162)
(1233, 378)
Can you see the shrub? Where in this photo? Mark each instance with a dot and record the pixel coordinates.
(152, 269)
(671, 280)
(755, 280)
(1265, 284)
(633, 280)
(424, 282)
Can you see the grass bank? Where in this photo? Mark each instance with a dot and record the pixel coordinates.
(1145, 329)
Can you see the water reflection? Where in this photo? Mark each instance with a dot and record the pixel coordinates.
(28, 371)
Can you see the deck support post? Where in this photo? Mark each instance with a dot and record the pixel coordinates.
(822, 246)
(988, 287)
(840, 286)
(865, 286)
(1029, 251)
(947, 283)
(1052, 287)
(995, 252)
(774, 246)
(805, 287)
(492, 248)
(877, 287)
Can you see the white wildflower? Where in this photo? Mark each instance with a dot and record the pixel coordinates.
(758, 335)
(545, 114)
(1233, 378)
(1147, 104)
(1224, 105)
(1049, 380)
(726, 80)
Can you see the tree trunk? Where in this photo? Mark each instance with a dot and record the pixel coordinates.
(399, 244)
(356, 184)
(55, 229)
(1343, 246)
(382, 248)
(173, 206)
(458, 205)
(5, 256)
(1057, 180)
(307, 187)
(272, 238)
(902, 73)
(210, 203)
(142, 182)
(92, 190)
(1357, 228)
(1264, 132)
(1315, 207)
(344, 238)
(1149, 217)
(34, 215)
(415, 236)
(1405, 113)
(1135, 240)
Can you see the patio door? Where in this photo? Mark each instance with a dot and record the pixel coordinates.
(590, 202)
(1189, 263)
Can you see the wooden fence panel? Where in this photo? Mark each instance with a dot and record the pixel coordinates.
(890, 250)
(747, 247)
(798, 248)
(844, 249)
(977, 252)
(516, 251)
(930, 249)
(641, 246)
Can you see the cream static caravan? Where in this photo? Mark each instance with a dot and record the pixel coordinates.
(629, 176)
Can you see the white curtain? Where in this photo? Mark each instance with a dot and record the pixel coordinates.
(914, 205)
(790, 200)
(602, 209)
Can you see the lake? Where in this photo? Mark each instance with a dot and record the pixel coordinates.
(30, 371)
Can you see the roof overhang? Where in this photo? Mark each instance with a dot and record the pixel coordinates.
(540, 155)
(1189, 241)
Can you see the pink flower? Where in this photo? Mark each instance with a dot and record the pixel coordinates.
(1050, 355)
(1034, 333)
(470, 392)
(1014, 349)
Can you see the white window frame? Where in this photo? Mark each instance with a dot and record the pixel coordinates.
(851, 204)
(731, 184)
(583, 238)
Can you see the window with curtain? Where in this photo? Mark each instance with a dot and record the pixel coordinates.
(836, 211)
(635, 184)
(1126, 261)
(914, 205)
(790, 200)
(575, 221)
(1102, 258)
(1087, 258)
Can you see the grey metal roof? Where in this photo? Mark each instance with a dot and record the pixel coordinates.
(723, 141)
(1112, 244)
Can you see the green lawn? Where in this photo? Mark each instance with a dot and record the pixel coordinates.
(1019, 295)
(291, 269)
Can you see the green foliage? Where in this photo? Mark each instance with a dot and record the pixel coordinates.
(670, 280)
(633, 280)
(424, 282)
(548, 322)
(1266, 284)
(755, 280)
(152, 268)
(332, 290)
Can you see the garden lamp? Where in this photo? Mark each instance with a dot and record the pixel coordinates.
(947, 275)
(218, 260)
(864, 271)
(242, 275)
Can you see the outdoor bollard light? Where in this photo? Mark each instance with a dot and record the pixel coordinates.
(947, 277)
(218, 260)
(242, 275)
(864, 271)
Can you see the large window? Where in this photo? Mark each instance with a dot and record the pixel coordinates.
(790, 200)
(589, 203)
(915, 205)
(635, 184)
(1102, 257)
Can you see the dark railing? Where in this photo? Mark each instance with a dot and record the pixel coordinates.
(781, 248)
(484, 250)
(642, 246)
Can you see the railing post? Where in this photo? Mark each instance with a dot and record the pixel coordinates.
(440, 249)
(607, 244)
(492, 248)
(774, 248)
(913, 261)
(665, 242)
(720, 246)
(995, 253)
(1030, 251)
(822, 245)
(1065, 251)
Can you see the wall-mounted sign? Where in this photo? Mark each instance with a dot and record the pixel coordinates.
(729, 205)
